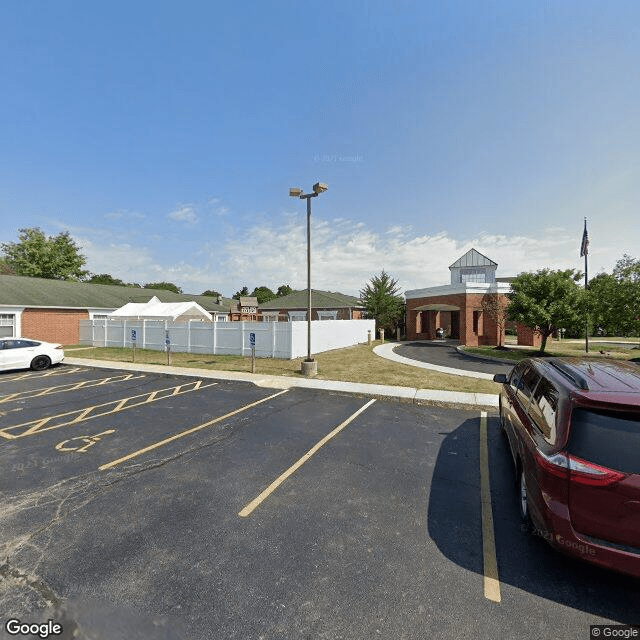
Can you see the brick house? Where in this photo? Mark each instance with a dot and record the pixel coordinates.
(457, 307)
(244, 309)
(325, 305)
(51, 310)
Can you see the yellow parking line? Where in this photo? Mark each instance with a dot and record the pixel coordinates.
(37, 426)
(33, 376)
(491, 577)
(85, 384)
(254, 504)
(156, 445)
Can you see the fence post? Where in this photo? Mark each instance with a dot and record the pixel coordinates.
(273, 339)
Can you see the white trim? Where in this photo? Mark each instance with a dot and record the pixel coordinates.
(98, 312)
(16, 312)
(66, 306)
(327, 315)
(478, 288)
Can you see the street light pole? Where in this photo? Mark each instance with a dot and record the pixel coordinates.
(309, 366)
(309, 358)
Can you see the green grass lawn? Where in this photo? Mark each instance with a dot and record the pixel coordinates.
(598, 348)
(353, 364)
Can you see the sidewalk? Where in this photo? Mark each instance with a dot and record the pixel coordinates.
(402, 394)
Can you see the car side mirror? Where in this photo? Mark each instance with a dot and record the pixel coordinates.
(500, 377)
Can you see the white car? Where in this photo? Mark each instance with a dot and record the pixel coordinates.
(22, 353)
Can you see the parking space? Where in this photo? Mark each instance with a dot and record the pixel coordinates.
(180, 507)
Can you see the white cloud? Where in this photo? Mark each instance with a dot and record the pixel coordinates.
(345, 255)
(185, 213)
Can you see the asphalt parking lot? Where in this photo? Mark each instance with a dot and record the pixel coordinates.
(137, 505)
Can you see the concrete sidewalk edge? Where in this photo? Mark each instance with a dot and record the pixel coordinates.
(402, 394)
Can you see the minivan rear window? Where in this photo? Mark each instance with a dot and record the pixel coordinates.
(609, 439)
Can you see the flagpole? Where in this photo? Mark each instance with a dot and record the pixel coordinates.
(585, 251)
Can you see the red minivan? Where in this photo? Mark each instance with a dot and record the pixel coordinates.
(573, 427)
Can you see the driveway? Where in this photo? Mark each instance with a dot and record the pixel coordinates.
(444, 354)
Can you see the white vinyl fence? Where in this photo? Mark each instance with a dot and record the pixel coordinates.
(285, 340)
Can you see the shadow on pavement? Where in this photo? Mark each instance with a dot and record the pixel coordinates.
(525, 561)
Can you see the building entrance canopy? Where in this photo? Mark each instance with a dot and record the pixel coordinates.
(437, 307)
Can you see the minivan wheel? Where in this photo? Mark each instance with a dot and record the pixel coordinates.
(523, 502)
(40, 363)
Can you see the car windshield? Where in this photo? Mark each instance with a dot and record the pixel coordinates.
(606, 438)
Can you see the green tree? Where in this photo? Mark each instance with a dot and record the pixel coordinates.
(105, 278)
(39, 256)
(5, 269)
(547, 301)
(263, 294)
(615, 299)
(284, 290)
(382, 302)
(168, 286)
(242, 293)
(627, 269)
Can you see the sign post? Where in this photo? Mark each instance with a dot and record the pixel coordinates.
(167, 342)
(252, 344)
(134, 337)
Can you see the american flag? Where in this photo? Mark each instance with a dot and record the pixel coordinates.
(584, 247)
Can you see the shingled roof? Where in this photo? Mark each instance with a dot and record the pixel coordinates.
(319, 300)
(19, 291)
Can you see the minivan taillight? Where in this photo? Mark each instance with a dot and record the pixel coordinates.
(556, 464)
(580, 470)
(589, 473)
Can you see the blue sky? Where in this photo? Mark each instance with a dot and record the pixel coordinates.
(164, 136)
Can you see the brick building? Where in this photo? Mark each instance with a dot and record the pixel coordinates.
(244, 309)
(457, 309)
(51, 310)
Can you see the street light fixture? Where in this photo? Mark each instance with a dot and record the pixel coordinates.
(309, 366)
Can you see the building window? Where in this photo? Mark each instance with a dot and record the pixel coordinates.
(7, 325)
(473, 274)
(327, 315)
(294, 316)
(269, 317)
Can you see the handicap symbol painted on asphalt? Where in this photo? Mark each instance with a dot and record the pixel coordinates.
(82, 443)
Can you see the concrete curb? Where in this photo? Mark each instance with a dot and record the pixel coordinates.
(461, 351)
(401, 394)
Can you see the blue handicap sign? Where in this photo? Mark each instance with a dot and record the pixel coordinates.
(252, 339)
(134, 335)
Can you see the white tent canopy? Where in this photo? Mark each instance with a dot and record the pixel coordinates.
(156, 310)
